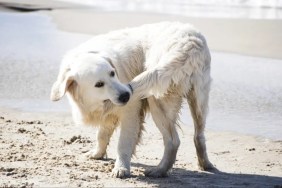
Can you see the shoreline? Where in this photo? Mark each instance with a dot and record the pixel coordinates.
(18, 114)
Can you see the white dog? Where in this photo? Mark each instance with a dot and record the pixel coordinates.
(113, 79)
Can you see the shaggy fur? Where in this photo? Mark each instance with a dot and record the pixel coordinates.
(163, 63)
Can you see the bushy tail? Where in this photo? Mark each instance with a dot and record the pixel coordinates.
(190, 65)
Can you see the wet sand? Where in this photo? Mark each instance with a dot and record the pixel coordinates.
(42, 148)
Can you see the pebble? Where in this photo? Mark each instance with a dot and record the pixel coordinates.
(21, 130)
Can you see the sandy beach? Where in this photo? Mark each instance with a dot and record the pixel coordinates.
(40, 150)
(41, 147)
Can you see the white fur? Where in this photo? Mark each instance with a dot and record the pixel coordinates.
(163, 63)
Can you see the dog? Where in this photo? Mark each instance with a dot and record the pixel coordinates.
(114, 79)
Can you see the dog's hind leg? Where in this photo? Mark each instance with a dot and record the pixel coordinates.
(165, 114)
(103, 138)
(198, 97)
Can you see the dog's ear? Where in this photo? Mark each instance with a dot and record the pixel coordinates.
(61, 86)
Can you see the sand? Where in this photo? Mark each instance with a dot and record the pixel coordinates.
(45, 149)
(243, 36)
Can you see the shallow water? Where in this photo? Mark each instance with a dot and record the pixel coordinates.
(31, 49)
(245, 97)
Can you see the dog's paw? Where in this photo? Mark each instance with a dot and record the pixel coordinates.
(208, 166)
(120, 172)
(156, 172)
(93, 154)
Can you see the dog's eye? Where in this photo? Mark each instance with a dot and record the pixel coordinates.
(112, 73)
(99, 84)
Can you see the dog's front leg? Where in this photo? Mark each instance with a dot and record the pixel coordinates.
(103, 138)
(128, 139)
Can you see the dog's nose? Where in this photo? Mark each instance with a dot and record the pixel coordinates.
(124, 97)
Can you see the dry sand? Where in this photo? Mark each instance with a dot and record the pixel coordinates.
(46, 149)
(244, 36)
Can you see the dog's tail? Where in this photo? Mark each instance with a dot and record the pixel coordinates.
(185, 66)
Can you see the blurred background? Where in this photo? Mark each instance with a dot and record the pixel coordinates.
(269, 9)
(245, 38)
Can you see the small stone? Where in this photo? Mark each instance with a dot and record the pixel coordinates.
(11, 173)
(67, 165)
(21, 130)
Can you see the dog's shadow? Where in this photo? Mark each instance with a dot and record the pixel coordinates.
(184, 178)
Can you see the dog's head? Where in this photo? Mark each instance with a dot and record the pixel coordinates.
(91, 80)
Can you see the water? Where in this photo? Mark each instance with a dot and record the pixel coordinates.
(245, 97)
(31, 49)
(263, 9)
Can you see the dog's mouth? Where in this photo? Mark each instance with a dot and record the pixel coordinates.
(120, 100)
(108, 101)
